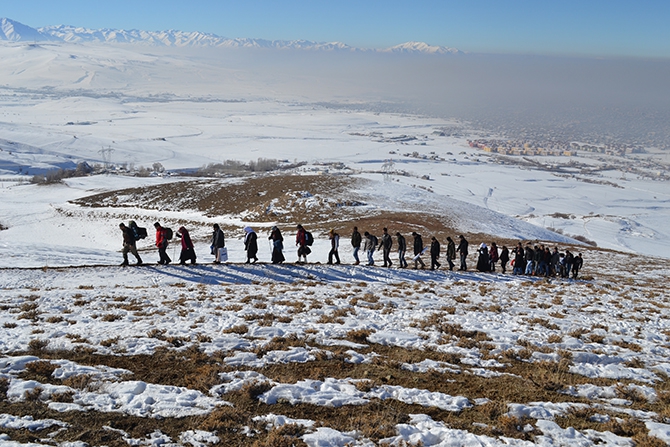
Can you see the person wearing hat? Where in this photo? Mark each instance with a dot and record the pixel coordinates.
(334, 245)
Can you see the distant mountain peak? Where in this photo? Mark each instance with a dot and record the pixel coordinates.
(422, 47)
(14, 31)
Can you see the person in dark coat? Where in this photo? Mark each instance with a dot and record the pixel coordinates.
(370, 246)
(577, 263)
(218, 242)
(301, 243)
(162, 244)
(385, 244)
(554, 262)
(462, 249)
(129, 245)
(277, 245)
(434, 253)
(493, 256)
(451, 252)
(504, 258)
(483, 261)
(418, 249)
(334, 247)
(402, 249)
(356, 240)
(519, 260)
(568, 261)
(251, 244)
(187, 248)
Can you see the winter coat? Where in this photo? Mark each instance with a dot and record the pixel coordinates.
(418, 244)
(161, 237)
(493, 253)
(356, 239)
(451, 250)
(186, 243)
(483, 262)
(402, 244)
(277, 239)
(370, 243)
(301, 237)
(463, 247)
(435, 249)
(386, 242)
(251, 243)
(128, 236)
(218, 239)
(335, 241)
(519, 258)
(504, 255)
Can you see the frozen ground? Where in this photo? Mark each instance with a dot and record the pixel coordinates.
(610, 335)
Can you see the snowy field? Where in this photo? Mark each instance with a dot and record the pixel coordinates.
(274, 355)
(470, 358)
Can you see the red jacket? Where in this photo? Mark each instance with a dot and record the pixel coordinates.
(161, 237)
(301, 237)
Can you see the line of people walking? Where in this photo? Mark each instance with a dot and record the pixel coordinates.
(537, 261)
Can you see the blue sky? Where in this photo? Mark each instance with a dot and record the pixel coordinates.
(585, 27)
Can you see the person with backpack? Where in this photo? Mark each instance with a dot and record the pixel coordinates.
(277, 245)
(451, 252)
(402, 249)
(334, 245)
(138, 232)
(162, 241)
(218, 243)
(418, 250)
(250, 244)
(356, 240)
(129, 245)
(386, 244)
(301, 243)
(462, 249)
(187, 248)
(434, 253)
(369, 247)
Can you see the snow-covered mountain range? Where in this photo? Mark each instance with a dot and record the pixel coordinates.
(17, 32)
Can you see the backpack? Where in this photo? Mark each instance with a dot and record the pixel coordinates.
(375, 241)
(138, 232)
(309, 239)
(168, 233)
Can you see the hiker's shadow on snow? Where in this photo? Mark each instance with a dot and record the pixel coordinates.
(289, 273)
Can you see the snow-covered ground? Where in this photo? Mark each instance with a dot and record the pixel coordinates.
(615, 348)
(606, 335)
